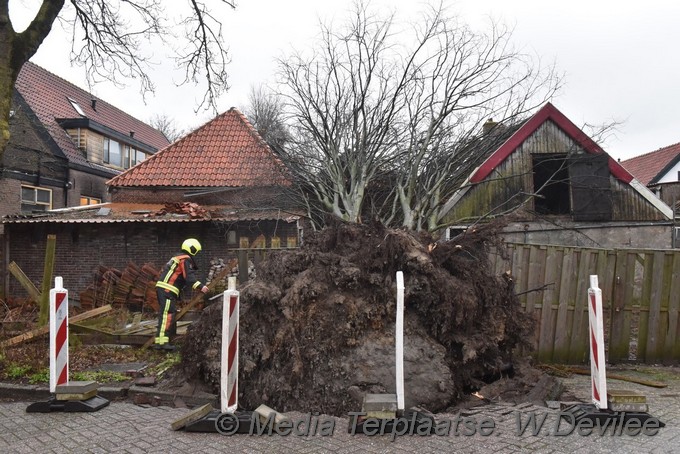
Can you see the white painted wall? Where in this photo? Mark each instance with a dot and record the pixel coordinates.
(671, 176)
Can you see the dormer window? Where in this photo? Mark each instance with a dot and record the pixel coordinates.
(77, 107)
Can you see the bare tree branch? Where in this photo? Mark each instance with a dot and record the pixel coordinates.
(372, 111)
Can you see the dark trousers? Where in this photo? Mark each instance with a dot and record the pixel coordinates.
(167, 322)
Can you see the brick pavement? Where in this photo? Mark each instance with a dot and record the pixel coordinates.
(125, 427)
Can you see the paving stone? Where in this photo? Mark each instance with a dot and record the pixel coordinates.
(125, 427)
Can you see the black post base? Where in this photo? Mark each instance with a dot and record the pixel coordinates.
(414, 421)
(70, 406)
(223, 423)
(605, 418)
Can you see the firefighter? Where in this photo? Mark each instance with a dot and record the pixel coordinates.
(177, 274)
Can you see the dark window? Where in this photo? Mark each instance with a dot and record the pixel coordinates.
(551, 184)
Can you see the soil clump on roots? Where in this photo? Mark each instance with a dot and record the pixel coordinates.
(317, 324)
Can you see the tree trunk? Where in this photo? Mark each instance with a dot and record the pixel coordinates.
(15, 50)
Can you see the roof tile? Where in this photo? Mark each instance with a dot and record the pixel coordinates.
(225, 152)
(48, 96)
(648, 166)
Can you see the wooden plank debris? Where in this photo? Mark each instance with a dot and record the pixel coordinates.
(45, 329)
(25, 282)
(47, 280)
(192, 416)
(199, 298)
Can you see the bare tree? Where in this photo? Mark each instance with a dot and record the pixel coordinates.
(108, 38)
(368, 103)
(265, 113)
(167, 126)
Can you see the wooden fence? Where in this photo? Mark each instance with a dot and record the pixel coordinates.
(640, 297)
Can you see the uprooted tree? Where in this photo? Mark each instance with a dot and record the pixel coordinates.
(377, 107)
(317, 324)
(108, 38)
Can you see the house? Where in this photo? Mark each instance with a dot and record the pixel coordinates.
(660, 171)
(65, 144)
(561, 188)
(221, 184)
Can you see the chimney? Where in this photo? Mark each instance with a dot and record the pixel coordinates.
(488, 126)
(94, 104)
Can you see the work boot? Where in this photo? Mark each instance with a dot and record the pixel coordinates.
(168, 347)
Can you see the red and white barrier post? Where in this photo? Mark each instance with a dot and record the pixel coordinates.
(399, 342)
(58, 335)
(598, 374)
(229, 358)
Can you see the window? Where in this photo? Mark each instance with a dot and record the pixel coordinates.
(578, 185)
(35, 199)
(112, 153)
(77, 107)
(121, 155)
(127, 156)
(551, 184)
(85, 200)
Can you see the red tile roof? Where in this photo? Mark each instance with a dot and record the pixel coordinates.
(225, 152)
(648, 167)
(48, 96)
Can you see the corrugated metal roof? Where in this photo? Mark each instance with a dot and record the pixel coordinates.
(127, 213)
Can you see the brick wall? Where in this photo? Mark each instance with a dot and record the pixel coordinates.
(86, 184)
(81, 248)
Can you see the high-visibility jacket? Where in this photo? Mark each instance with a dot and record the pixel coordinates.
(178, 273)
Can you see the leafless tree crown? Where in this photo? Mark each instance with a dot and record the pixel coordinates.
(378, 108)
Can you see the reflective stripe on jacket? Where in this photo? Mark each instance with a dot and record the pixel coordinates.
(177, 274)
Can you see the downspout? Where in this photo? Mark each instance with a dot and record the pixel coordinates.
(67, 186)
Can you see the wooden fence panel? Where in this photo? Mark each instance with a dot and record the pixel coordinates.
(563, 328)
(547, 323)
(536, 267)
(578, 343)
(672, 344)
(651, 352)
(640, 296)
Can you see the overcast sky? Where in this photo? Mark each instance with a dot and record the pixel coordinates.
(619, 58)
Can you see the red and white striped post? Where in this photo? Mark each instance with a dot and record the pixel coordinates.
(58, 335)
(598, 374)
(229, 358)
(399, 342)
